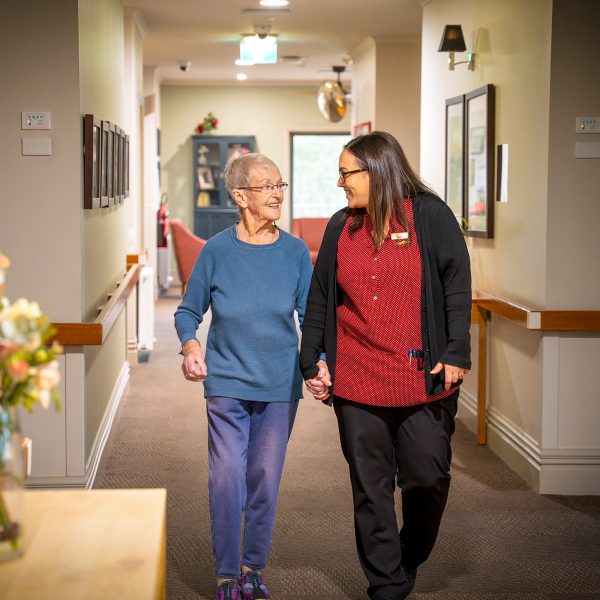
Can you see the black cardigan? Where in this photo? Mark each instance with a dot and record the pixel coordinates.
(446, 293)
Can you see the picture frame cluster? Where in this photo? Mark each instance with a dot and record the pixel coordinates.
(470, 146)
(106, 163)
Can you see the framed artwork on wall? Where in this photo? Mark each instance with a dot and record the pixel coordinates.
(92, 147)
(455, 156)
(362, 128)
(479, 142)
(126, 166)
(104, 165)
(110, 165)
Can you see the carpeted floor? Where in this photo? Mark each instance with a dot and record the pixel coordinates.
(498, 539)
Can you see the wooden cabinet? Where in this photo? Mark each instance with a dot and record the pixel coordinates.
(214, 209)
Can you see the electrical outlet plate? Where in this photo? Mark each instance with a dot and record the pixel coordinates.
(587, 125)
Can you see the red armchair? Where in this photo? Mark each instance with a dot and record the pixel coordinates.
(187, 246)
(311, 230)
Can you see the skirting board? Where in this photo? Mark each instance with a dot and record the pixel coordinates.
(93, 462)
(564, 471)
(91, 467)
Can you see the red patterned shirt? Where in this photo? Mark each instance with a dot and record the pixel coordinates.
(379, 321)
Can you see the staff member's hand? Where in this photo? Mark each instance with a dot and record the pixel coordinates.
(319, 385)
(451, 373)
(193, 365)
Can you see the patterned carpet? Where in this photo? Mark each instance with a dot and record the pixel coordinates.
(498, 538)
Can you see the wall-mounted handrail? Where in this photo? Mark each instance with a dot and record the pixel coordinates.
(534, 319)
(95, 332)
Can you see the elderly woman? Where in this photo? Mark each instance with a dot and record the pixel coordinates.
(389, 307)
(252, 276)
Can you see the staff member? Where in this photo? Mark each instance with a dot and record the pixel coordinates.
(389, 312)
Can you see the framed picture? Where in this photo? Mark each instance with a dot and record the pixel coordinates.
(362, 128)
(104, 177)
(92, 138)
(110, 165)
(205, 179)
(117, 165)
(479, 162)
(126, 166)
(455, 156)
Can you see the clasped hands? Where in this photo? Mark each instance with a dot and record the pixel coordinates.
(320, 384)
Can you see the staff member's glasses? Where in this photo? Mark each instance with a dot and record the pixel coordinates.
(345, 174)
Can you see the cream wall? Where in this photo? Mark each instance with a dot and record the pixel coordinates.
(40, 196)
(573, 269)
(398, 95)
(537, 55)
(269, 113)
(102, 68)
(364, 68)
(386, 81)
(68, 60)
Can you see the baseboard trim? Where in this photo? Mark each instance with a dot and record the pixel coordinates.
(93, 462)
(561, 471)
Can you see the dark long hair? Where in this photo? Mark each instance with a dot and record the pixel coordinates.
(391, 179)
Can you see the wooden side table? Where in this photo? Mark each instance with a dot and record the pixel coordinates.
(90, 544)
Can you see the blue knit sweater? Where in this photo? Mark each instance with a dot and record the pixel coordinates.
(252, 291)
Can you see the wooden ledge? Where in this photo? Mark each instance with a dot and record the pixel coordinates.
(96, 332)
(533, 318)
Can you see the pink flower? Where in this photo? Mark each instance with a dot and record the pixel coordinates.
(17, 369)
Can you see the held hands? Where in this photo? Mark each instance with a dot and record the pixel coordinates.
(451, 374)
(193, 365)
(320, 384)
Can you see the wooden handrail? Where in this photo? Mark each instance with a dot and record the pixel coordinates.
(484, 305)
(96, 332)
(535, 318)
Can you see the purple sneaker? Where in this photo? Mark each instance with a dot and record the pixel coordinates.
(253, 586)
(229, 590)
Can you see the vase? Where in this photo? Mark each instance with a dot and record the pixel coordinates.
(12, 484)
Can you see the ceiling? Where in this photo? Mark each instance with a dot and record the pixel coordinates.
(321, 32)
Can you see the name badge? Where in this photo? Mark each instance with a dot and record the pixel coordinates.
(400, 235)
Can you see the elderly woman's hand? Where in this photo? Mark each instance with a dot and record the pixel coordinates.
(319, 385)
(193, 365)
(451, 374)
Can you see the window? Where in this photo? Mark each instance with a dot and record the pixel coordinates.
(315, 173)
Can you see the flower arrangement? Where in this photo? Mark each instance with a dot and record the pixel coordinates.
(28, 366)
(29, 374)
(209, 124)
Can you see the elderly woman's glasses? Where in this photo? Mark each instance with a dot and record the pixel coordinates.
(267, 188)
(345, 174)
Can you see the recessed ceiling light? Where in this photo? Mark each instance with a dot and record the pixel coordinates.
(272, 3)
(241, 76)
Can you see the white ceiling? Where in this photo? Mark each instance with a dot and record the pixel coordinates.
(324, 32)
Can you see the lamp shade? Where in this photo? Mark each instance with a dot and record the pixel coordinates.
(452, 39)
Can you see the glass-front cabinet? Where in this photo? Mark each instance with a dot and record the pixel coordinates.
(214, 209)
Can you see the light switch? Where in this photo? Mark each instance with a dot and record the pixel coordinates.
(36, 146)
(35, 120)
(587, 125)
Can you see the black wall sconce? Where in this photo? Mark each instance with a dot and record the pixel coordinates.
(453, 41)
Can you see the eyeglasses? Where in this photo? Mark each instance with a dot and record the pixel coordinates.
(267, 188)
(344, 174)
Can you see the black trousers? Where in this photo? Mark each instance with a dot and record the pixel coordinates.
(410, 446)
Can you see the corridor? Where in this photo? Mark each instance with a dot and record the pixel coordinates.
(499, 539)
